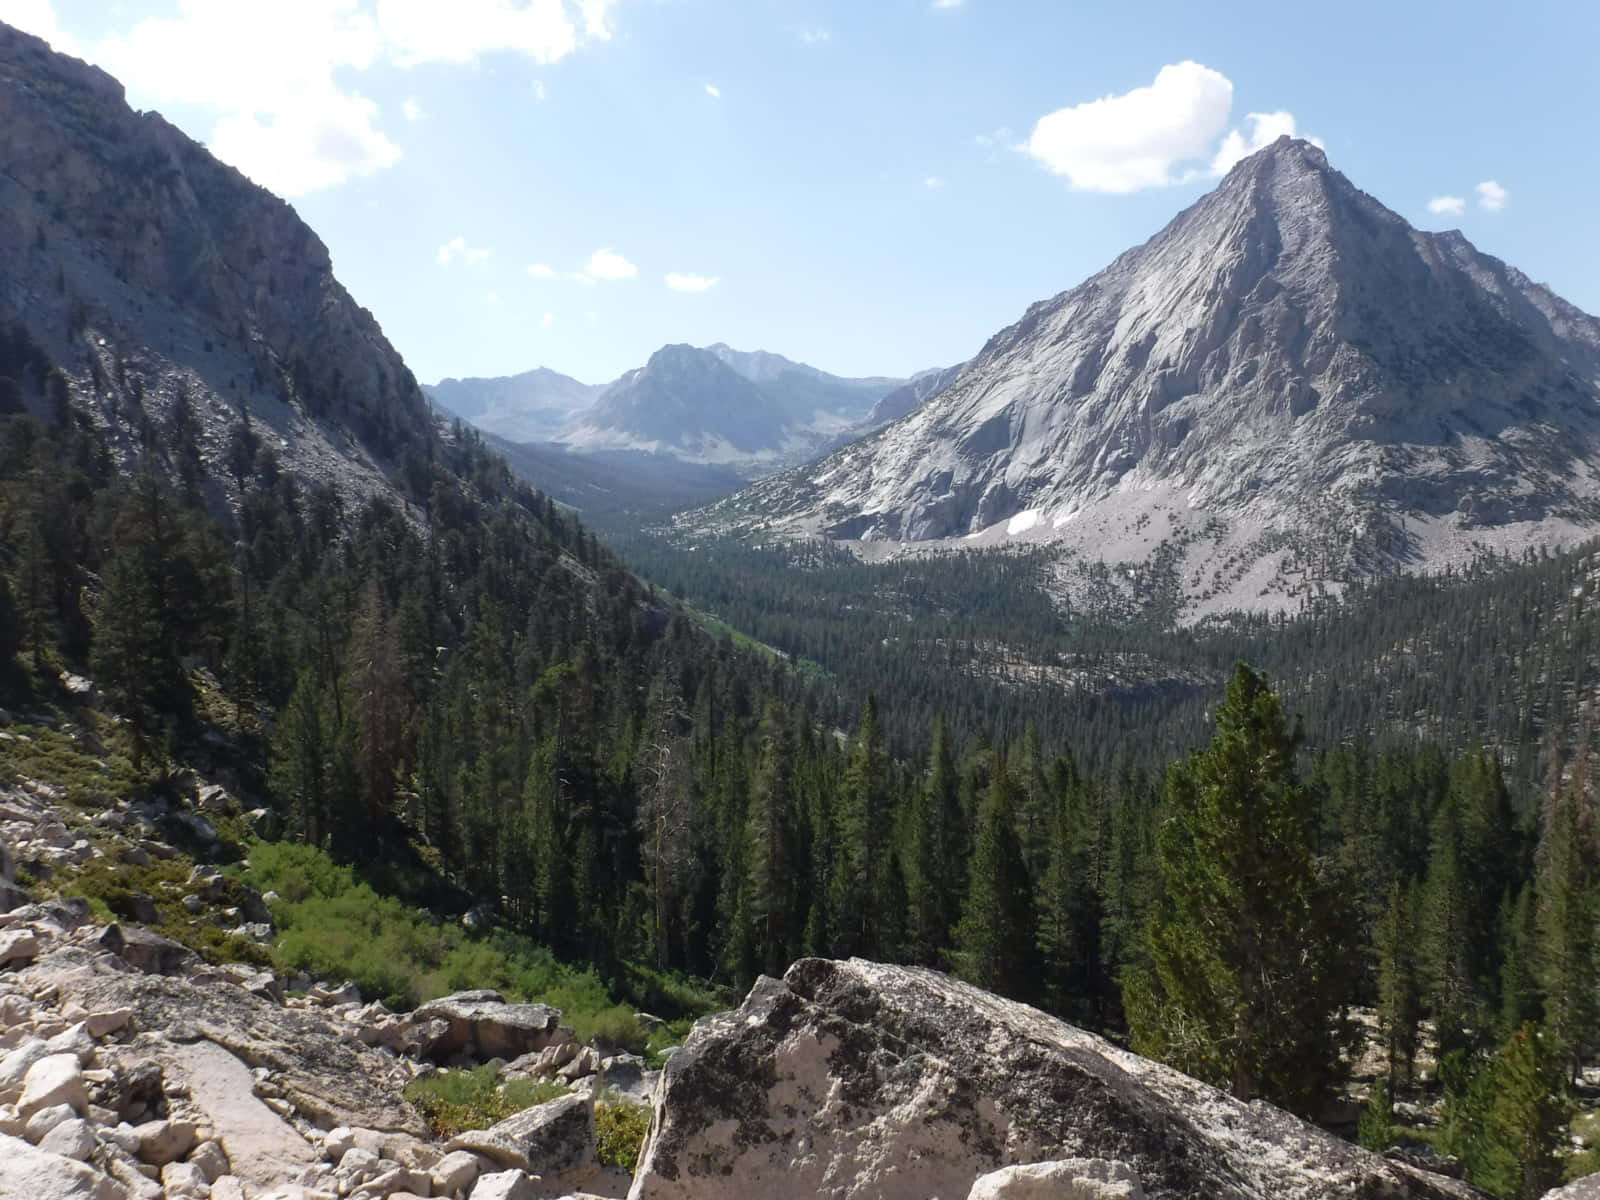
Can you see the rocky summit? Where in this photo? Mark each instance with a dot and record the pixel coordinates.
(855, 1079)
(1286, 386)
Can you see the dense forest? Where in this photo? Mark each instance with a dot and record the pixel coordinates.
(464, 677)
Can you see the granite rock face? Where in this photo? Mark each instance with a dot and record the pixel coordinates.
(855, 1080)
(145, 269)
(1287, 362)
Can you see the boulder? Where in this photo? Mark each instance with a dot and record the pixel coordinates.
(32, 1174)
(855, 1080)
(73, 1138)
(481, 1023)
(548, 1139)
(455, 1172)
(40, 1124)
(1069, 1179)
(162, 1142)
(146, 951)
(18, 946)
(505, 1185)
(54, 1079)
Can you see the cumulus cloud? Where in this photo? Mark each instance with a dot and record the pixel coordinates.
(691, 283)
(1265, 128)
(1491, 196)
(713, 91)
(1152, 136)
(1138, 139)
(547, 320)
(580, 277)
(274, 74)
(1452, 205)
(457, 248)
(541, 271)
(412, 109)
(608, 264)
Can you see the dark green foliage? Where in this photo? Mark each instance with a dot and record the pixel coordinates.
(619, 1131)
(1506, 1115)
(1249, 946)
(1375, 1130)
(994, 940)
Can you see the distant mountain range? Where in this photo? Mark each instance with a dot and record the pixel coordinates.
(748, 411)
(1286, 387)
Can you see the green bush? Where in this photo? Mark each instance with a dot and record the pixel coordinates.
(620, 1131)
(454, 1101)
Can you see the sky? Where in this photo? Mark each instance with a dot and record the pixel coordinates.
(871, 186)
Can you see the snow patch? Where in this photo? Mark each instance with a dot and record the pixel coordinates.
(1022, 522)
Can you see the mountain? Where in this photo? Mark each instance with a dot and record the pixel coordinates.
(719, 406)
(1286, 387)
(529, 407)
(148, 272)
(911, 395)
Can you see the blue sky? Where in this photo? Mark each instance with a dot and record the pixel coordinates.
(873, 187)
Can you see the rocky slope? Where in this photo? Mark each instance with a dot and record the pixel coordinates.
(131, 1069)
(855, 1080)
(1286, 385)
(145, 268)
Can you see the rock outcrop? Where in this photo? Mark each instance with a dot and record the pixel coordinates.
(852, 1079)
(1287, 384)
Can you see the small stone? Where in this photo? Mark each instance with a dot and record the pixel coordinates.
(455, 1172)
(74, 1040)
(39, 1125)
(111, 1021)
(18, 946)
(125, 1137)
(14, 1067)
(73, 1138)
(162, 1142)
(212, 1160)
(185, 1181)
(11, 1122)
(229, 1187)
(505, 1185)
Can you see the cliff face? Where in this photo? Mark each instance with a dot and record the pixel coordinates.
(143, 266)
(1288, 359)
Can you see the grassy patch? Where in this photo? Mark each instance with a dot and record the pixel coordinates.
(90, 771)
(620, 1130)
(454, 1101)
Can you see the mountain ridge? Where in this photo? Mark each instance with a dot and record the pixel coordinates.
(1287, 357)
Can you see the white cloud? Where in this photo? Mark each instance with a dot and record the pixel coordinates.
(273, 75)
(713, 91)
(1265, 128)
(608, 264)
(1136, 140)
(541, 271)
(948, 3)
(1000, 137)
(580, 277)
(814, 36)
(412, 109)
(1491, 196)
(547, 320)
(1153, 135)
(457, 248)
(691, 283)
(933, 183)
(538, 90)
(1453, 205)
(38, 18)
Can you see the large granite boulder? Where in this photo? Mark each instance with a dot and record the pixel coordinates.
(481, 1024)
(855, 1080)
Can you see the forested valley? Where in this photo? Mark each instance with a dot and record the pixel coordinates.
(466, 697)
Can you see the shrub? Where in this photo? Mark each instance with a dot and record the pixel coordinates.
(454, 1101)
(620, 1130)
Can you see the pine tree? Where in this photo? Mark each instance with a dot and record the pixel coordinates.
(1248, 949)
(994, 940)
(933, 851)
(1399, 991)
(863, 822)
(1565, 914)
(1524, 1117)
(771, 852)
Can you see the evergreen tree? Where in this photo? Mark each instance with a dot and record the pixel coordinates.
(771, 852)
(863, 821)
(994, 940)
(1248, 949)
(1524, 1113)
(1565, 913)
(933, 852)
(1399, 991)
